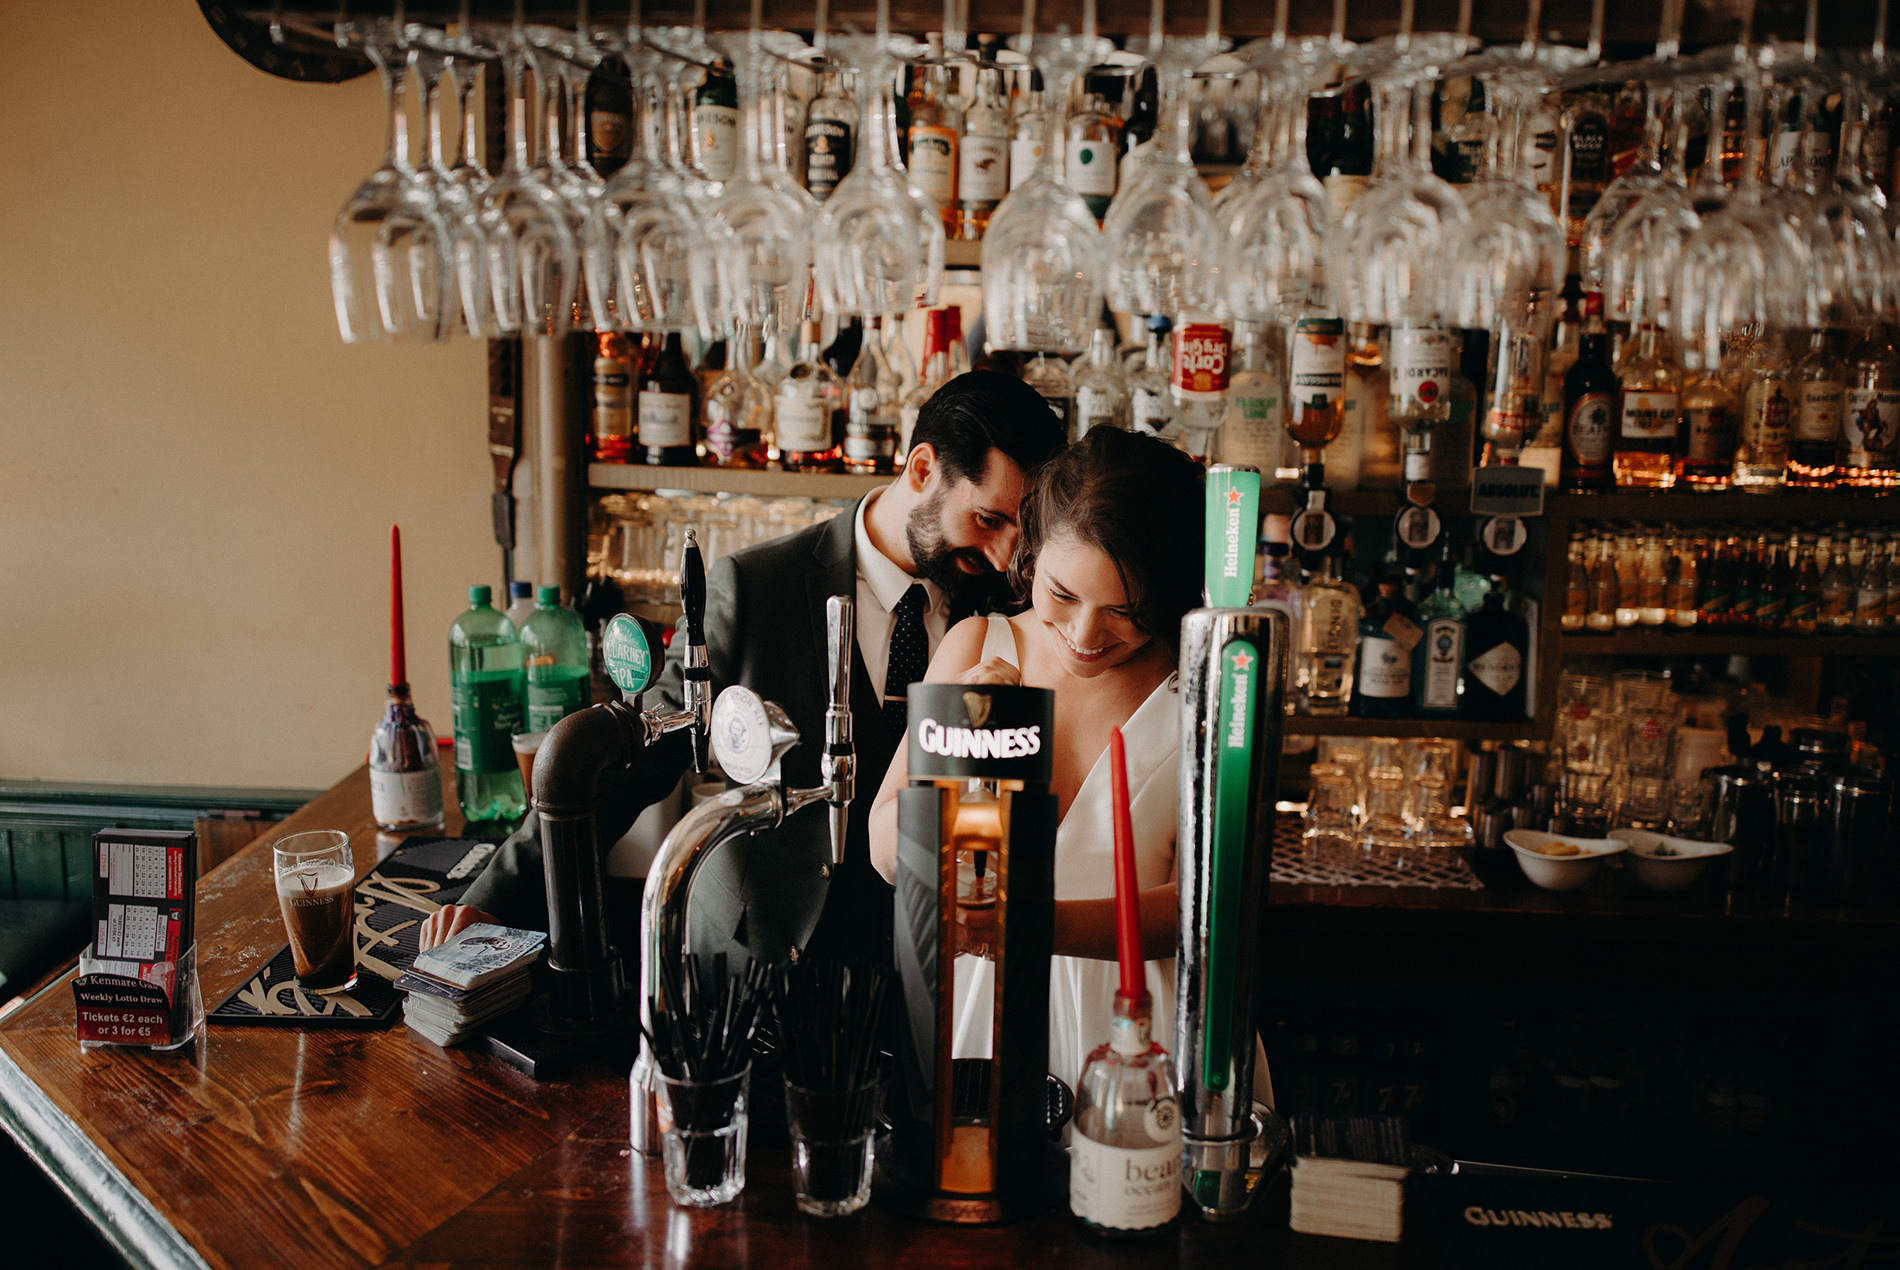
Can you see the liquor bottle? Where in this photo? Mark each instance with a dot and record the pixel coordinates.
(1605, 590)
(1566, 342)
(1197, 381)
(1438, 658)
(1746, 591)
(1576, 581)
(1467, 129)
(1253, 429)
(982, 158)
(614, 367)
(1679, 597)
(935, 123)
(1586, 165)
(1870, 415)
(782, 101)
(1368, 393)
(1316, 407)
(776, 358)
(1776, 594)
(1870, 595)
(1151, 404)
(942, 331)
(1761, 461)
(485, 690)
(1649, 406)
(1629, 579)
(554, 653)
(1496, 644)
(899, 365)
(842, 353)
(1388, 632)
(1804, 602)
(1589, 404)
(1418, 381)
(1049, 376)
(1093, 141)
(1343, 162)
(666, 407)
(1715, 588)
(405, 773)
(1144, 114)
(1028, 132)
(712, 364)
(830, 131)
(1652, 581)
(1101, 390)
(1820, 387)
(871, 422)
(716, 124)
(809, 412)
(1328, 643)
(1454, 442)
(609, 105)
(520, 602)
(1709, 412)
(1839, 587)
(736, 419)
(1126, 1143)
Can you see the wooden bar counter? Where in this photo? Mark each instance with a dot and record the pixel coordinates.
(291, 1148)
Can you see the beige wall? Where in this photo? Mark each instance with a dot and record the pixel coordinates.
(197, 477)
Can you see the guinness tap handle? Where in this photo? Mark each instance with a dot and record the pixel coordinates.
(839, 766)
(698, 675)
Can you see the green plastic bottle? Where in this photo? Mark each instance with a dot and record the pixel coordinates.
(554, 646)
(485, 689)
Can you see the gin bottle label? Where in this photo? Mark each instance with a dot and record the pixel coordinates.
(1444, 646)
(1499, 669)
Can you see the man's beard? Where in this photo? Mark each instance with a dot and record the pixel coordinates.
(935, 561)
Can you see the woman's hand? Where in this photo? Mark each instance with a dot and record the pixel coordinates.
(449, 921)
(993, 670)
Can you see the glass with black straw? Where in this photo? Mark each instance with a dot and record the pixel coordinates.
(703, 1022)
(828, 1024)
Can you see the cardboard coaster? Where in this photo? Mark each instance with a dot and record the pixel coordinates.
(392, 900)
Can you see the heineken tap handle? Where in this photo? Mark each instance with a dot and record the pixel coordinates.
(839, 765)
(698, 675)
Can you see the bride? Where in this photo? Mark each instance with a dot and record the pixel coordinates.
(1109, 560)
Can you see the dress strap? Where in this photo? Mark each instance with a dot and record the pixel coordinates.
(1000, 641)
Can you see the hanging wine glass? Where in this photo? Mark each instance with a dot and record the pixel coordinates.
(692, 60)
(391, 264)
(1639, 257)
(533, 260)
(1163, 249)
(871, 248)
(1043, 261)
(761, 219)
(646, 252)
(1276, 231)
(562, 165)
(455, 180)
(1861, 257)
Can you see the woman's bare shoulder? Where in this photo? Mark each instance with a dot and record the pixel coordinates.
(961, 649)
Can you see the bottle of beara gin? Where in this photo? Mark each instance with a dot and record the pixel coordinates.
(1125, 1153)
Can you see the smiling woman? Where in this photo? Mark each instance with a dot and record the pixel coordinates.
(1111, 531)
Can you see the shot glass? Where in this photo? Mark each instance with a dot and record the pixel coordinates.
(832, 1133)
(316, 893)
(702, 1132)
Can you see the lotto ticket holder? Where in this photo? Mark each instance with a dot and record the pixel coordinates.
(976, 871)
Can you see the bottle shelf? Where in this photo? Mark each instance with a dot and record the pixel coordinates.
(711, 480)
(1450, 729)
(1733, 505)
(1651, 642)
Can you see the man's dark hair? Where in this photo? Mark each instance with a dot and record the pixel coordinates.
(1138, 501)
(981, 411)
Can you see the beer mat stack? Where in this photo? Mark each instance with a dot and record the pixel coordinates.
(392, 900)
(1349, 1175)
(480, 975)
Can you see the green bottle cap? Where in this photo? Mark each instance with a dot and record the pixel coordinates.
(548, 595)
(479, 595)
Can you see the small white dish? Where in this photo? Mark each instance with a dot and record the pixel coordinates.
(1663, 863)
(1559, 872)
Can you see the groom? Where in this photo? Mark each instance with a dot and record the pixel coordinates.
(918, 555)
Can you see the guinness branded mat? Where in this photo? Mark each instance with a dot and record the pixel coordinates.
(392, 900)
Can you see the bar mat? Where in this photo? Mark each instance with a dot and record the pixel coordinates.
(392, 900)
(1291, 865)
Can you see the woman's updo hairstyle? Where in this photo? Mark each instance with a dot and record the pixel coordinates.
(1138, 501)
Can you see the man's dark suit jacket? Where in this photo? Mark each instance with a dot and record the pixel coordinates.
(766, 894)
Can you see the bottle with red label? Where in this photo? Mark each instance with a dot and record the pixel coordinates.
(1419, 374)
(1199, 382)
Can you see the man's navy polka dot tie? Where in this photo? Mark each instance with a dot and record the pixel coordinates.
(910, 655)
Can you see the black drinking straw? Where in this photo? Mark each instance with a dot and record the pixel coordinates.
(703, 1023)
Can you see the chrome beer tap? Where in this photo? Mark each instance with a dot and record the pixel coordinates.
(749, 735)
(589, 982)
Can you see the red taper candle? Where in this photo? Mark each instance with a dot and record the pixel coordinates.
(1127, 889)
(398, 663)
